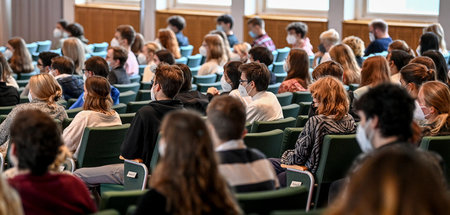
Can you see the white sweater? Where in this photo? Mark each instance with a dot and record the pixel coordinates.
(210, 67)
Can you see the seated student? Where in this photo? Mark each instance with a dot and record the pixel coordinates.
(297, 67)
(246, 170)
(7, 72)
(116, 58)
(263, 55)
(441, 65)
(229, 81)
(163, 56)
(231, 56)
(328, 39)
(187, 152)
(43, 192)
(261, 105)
(96, 112)
(44, 93)
(177, 24)
(437, 29)
(397, 59)
(125, 36)
(379, 37)
(225, 24)
(258, 33)
(412, 76)
(375, 71)
(73, 49)
(9, 96)
(149, 51)
(96, 66)
(136, 48)
(434, 100)
(214, 50)
(44, 63)
(332, 117)
(357, 46)
(296, 36)
(242, 50)
(428, 41)
(329, 68)
(400, 45)
(167, 39)
(191, 99)
(62, 70)
(342, 54)
(18, 56)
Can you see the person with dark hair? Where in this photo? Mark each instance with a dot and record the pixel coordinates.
(62, 69)
(191, 99)
(229, 81)
(137, 49)
(297, 67)
(428, 41)
(96, 66)
(60, 29)
(245, 169)
(177, 24)
(43, 192)
(379, 37)
(261, 105)
(397, 59)
(76, 30)
(263, 55)
(441, 65)
(296, 36)
(7, 72)
(116, 58)
(44, 63)
(9, 95)
(164, 56)
(125, 36)
(331, 68)
(225, 23)
(256, 27)
(18, 56)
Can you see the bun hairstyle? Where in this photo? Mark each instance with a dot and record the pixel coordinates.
(45, 88)
(417, 74)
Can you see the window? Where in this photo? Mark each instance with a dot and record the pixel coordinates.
(419, 10)
(121, 2)
(215, 5)
(297, 7)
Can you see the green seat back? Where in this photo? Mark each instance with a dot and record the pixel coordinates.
(143, 95)
(146, 85)
(73, 112)
(194, 60)
(155, 155)
(107, 212)
(291, 110)
(62, 102)
(23, 83)
(273, 88)
(268, 142)
(24, 99)
(70, 102)
(261, 126)
(6, 110)
(203, 87)
(304, 108)
(2, 118)
(133, 107)
(135, 175)
(194, 70)
(282, 54)
(290, 137)
(302, 96)
(278, 67)
(66, 122)
(205, 79)
(301, 121)
(135, 79)
(284, 98)
(125, 87)
(142, 69)
(101, 146)
(127, 117)
(296, 178)
(126, 97)
(186, 51)
(266, 201)
(120, 108)
(248, 126)
(120, 200)
(337, 155)
(181, 60)
(280, 77)
(297, 212)
(440, 145)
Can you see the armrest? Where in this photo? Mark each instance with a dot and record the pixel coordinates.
(296, 167)
(135, 160)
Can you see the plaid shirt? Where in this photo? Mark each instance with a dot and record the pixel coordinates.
(264, 41)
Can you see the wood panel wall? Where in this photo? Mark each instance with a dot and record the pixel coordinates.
(100, 21)
(409, 32)
(276, 28)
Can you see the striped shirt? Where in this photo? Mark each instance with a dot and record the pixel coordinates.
(265, 41)
(246, 170)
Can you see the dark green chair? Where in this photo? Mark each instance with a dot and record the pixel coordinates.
(203, 87)
(2, 118)
(133, 107)
(284, 98)
(70, 102)
(120, 200)
(282, 54)
(295, 178)
(186, 51)
(23, 83)
(66, 122)
(25, 77)
(290, 137)
(126, 87)
(6, 110)
(304, 108)
(101, 146)
(120, 108)
(127, 117)
(146, 85)
(142, 69)
(279, 77)
(440, 145)
(127, 97)
(143, 95)
(205, 79)
(135, 175)
(290, 110)
(301, 96)
(301, 121)
(135, 79)
(248, 126)
(266, 201)
(107, 212)
(194, 60)
(262, 126)
(194, 70)
(278, 67)
(274, 88)
(24, 99)
(268, 142)
(297, 212)
(73, 112)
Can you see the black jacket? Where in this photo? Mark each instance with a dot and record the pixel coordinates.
(9, 96)
(72, 86)
(141, 137)
(118, 76)
(194, 100)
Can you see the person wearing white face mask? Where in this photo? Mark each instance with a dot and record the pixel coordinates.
(60, 33)
(379, 37)
(256, 27)
(214, 50)
(434, 100)
(149, 50)
(116, 58)
(229, 81)
(125, 35)
(225, 24)
(191, 99)
(296, 36)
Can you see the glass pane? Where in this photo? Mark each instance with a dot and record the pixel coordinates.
(206, 2)
(321, 5)
(422, 7)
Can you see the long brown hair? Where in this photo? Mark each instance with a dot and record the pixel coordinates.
(299, 67)
(6, 72)
(375, 70)
(188, 174)
(416, 74)
(73, 49)
(216, 48)
(383, 185)
(401, 45)
(343, 54)
(138, 43)
(437, 95)
(21, 61)
(169, 41)
(332, 97)
(98, 95)
(44, 87)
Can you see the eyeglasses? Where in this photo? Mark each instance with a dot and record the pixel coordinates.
(242, 81)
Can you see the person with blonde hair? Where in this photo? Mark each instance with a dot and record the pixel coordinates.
(44, 93)
(375, 71)
(168, 41)
(357, 46)
(342, 54)
(332, 117)
(214, 50)
(437, 29)
(297, 68)
(434, 100)
(149, 50)
(97, 112)
(198, 187)
(18, 56)
(73, 49)
(328, 39)
(242, 50)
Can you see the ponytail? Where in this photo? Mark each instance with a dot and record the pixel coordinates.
(441, 121)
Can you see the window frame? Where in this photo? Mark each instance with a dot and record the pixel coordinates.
(263, 9)
(136, 3)
(173, 4)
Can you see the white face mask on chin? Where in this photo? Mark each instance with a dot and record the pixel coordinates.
(114, 42)
(290, 39)
(225, 85)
